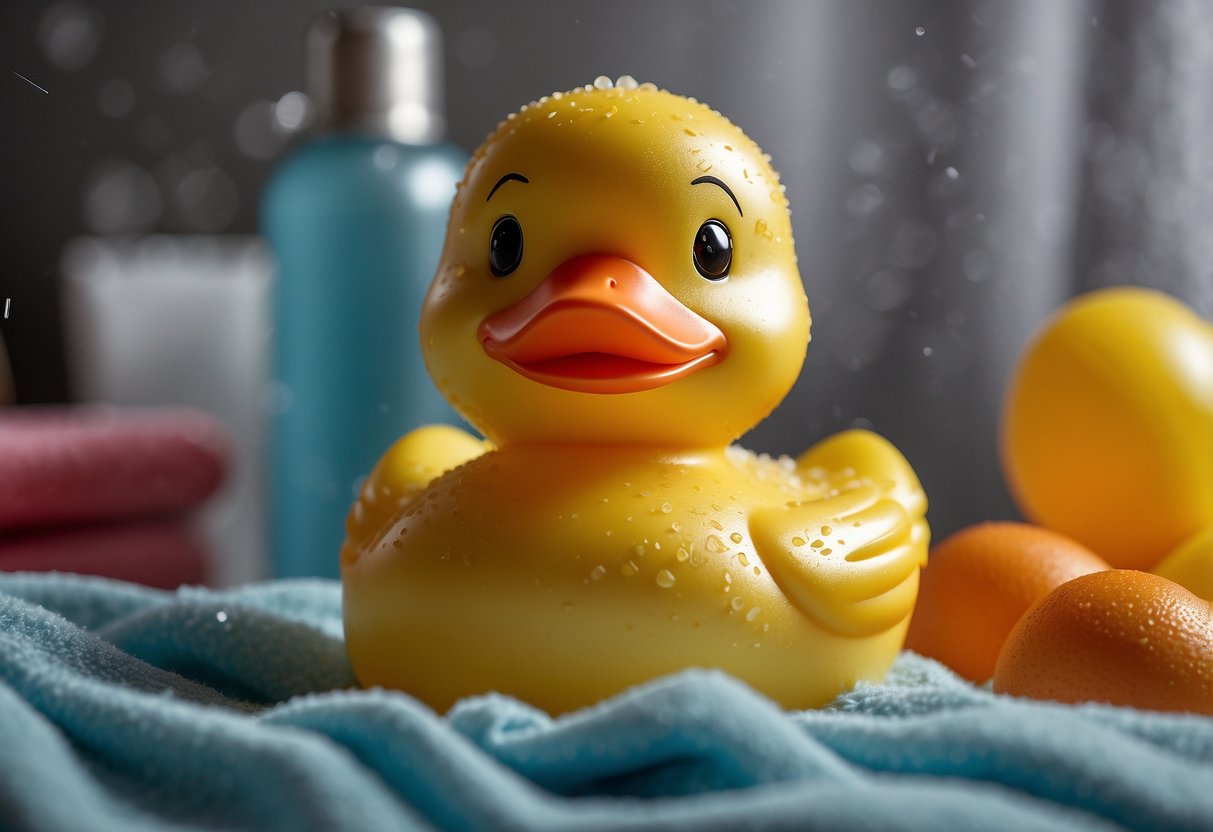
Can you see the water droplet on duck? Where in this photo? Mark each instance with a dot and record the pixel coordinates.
(735, 537)
(629, 569)
(798, 541)
(597, 572)
(737, 604)
(683, 555)
(666, 508)
(753, 613)
(714, 544)
(675, 526)
(665, 579)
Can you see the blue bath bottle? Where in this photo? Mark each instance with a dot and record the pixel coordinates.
(356, 220)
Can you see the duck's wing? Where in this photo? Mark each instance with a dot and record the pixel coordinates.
(849, 560)
(402, 473)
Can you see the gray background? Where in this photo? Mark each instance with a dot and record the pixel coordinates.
(955, 169)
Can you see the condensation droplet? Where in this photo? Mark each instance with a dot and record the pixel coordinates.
(120, 197)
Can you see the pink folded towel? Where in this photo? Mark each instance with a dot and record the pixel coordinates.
(158, 553)
(62, 466)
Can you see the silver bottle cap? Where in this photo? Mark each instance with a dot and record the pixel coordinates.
(377, 70)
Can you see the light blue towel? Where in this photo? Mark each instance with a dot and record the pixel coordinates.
(131, 709)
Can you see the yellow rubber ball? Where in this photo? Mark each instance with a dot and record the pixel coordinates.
(1107, 431)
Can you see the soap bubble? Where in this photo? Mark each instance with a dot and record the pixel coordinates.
(116, 98)
(902, 78)
(183, 69)
(70, 35)
(120, 198)
(386, 157)
(864, 200)
(888, 289)
(255, 133)
(199, 195)
(867, 158)
(292, 112)
(977, 265)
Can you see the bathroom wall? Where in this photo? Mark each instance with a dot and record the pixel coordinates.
(956, 169)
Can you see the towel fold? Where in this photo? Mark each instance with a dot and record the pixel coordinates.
(125, 708)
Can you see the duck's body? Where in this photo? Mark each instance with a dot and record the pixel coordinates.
(608, 535)
(617, 565)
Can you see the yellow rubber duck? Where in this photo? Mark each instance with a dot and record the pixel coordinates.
(617, 301)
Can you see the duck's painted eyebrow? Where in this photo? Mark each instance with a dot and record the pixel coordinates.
(516, 177)
(714, 181)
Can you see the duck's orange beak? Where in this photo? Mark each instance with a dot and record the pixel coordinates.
(601, 324)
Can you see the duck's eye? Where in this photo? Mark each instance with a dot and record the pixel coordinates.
(505, 246)
(713, 250)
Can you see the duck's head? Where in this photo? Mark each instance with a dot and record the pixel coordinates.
(618, 268)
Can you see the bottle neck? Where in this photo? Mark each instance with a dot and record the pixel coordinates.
(406, 124)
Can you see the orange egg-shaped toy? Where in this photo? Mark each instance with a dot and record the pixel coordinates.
(1123, 637)
(978, 584)
(1107, 431)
